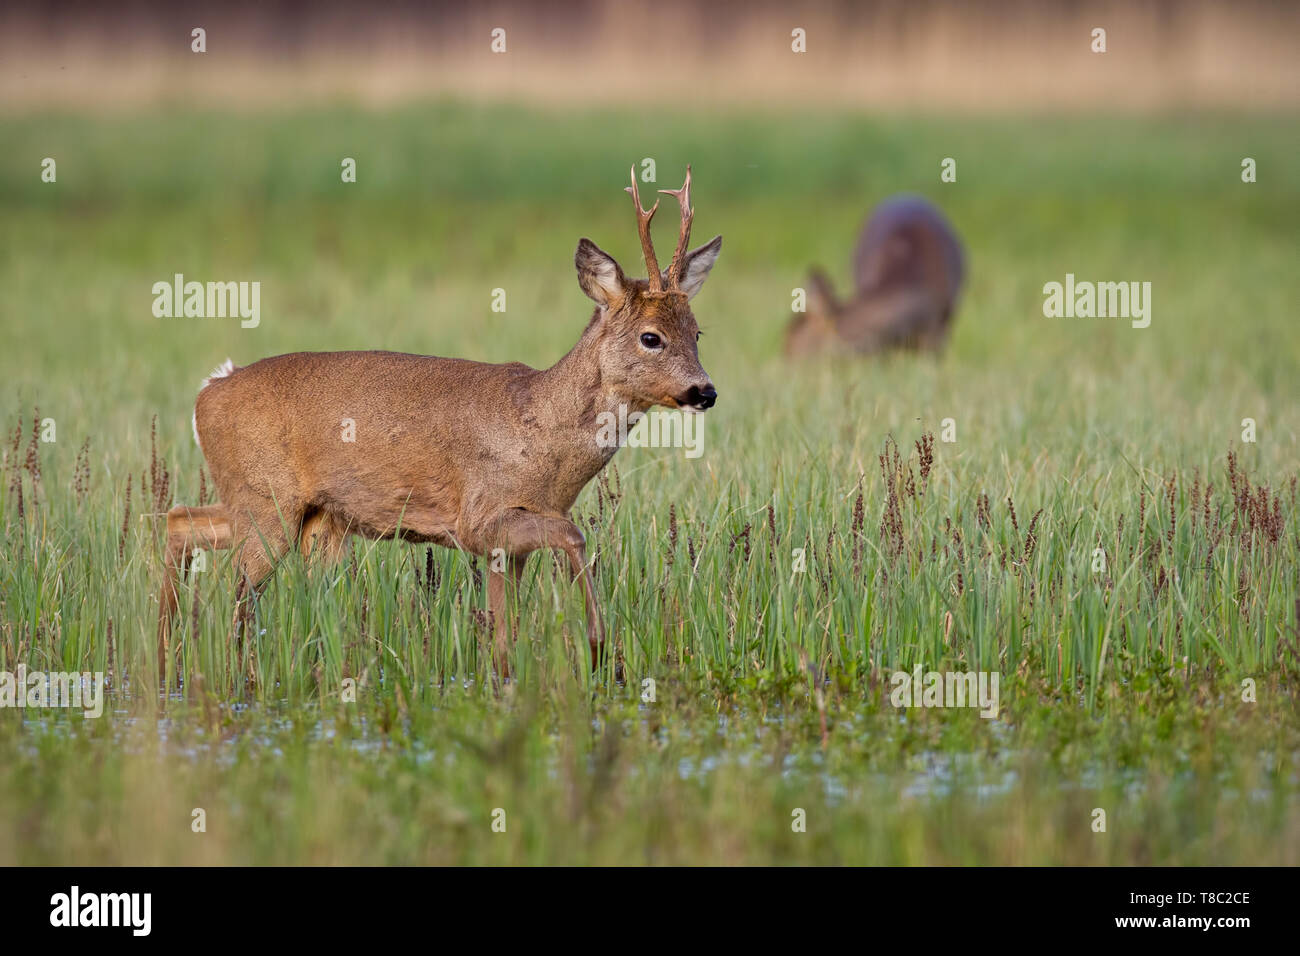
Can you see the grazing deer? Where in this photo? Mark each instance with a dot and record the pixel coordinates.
(908, 269)
(463, 454)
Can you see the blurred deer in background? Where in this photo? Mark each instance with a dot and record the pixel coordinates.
(488, 459)
(908, 270)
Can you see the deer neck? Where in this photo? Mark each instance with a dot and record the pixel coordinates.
(574, 401)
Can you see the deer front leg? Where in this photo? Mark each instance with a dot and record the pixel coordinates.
(595, 626)
(502, 624)
(520, 532)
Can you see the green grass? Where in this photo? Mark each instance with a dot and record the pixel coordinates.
(1121, 689)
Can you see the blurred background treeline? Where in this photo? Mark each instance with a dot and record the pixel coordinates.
(657, 57)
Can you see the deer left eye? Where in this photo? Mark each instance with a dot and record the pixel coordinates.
(651, 341)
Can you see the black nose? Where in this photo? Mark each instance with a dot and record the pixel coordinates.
(701, 398)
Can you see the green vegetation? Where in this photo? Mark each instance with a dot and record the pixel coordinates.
(1121, 686)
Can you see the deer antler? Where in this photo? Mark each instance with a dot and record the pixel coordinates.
(643, 229)
(677, 268)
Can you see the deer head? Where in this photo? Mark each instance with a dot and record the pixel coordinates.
(645, 331)
(908, 269)
(815, 328)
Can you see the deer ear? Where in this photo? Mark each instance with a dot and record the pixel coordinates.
(598, 274)
(821, 298)
(698, 263)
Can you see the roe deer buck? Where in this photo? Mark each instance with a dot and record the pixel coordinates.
(463, 454)
(908, 269)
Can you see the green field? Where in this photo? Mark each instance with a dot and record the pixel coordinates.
(1121, 688)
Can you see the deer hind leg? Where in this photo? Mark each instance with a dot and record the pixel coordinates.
(188, 529)
(324, 538)
(263, 540)
(521, 532)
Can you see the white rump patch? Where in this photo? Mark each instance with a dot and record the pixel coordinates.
(221, 371)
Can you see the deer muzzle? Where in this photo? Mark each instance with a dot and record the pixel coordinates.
(699, 398)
